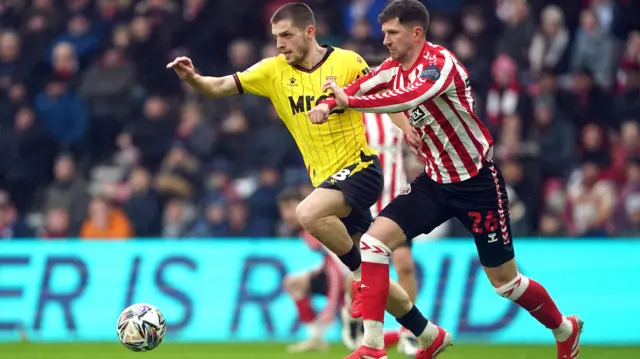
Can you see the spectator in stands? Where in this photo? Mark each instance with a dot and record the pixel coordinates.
(627, 212)
(147, 52)
(12, 67)
(474, 26)
(82, 36)
(624, 150)
(585, 103)
(591, 201)
(551, 139)
(505, 95)
(178, 218)
(605, 11)
(63, 114)
(12, 226)
(594, 49)
(144, 207)
(213, 223)
(65, 65)
(594, 145)
(440, 30)
(236, 143)
(477, 66)
(179, 174)
(242, 224)
(520, 27)
(109, 105)
(153, 135)
(195, 132)
(68, 191)
(56, 224)
(105, 222)
(628, 100)
(263, 201)
(551, 225)
(550, 43)
(38, 31)
(26, 156)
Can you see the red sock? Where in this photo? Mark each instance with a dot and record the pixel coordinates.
(532, 296)
(305, 310)
(391, 338)
(375, 278)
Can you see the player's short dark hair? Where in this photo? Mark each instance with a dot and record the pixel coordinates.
(408, 12)
(299, 13)
(289, 194)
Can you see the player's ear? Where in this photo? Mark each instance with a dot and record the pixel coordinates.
(418, 33)
(310, 31)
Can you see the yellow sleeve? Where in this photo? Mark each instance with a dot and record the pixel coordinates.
(358, 67)
(256, 80)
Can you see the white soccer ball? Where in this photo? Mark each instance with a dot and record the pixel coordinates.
(141, 327)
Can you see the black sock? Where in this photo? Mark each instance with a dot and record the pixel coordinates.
(414, 321)
(352, 258)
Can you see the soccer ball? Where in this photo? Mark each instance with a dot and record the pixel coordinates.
(141, 327)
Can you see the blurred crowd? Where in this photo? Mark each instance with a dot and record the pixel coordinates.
(99, 140)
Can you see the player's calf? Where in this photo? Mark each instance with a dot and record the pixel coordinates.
(531, 296)
(298, 289)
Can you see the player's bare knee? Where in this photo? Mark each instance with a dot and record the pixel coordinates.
(288, 284)
(294, 285)
(388, 232)
(403, 263)
(307, 214)
(503, 274)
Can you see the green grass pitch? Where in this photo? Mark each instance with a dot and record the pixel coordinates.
(276, 351)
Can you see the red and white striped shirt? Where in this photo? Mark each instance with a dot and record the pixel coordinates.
(386, 138)
(436, 96)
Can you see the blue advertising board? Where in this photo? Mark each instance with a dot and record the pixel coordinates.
(231, 290)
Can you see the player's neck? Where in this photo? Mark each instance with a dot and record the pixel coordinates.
(313, 57)
(413, 57)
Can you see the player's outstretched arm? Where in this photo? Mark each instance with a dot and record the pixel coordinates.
(209, 86)
(432, 83)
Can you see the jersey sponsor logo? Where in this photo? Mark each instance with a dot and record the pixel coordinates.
(432, 73)
(417, 116)
(303, 104)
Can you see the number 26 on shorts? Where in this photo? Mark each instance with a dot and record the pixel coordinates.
(490, 222)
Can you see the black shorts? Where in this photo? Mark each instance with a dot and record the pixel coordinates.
(318, 283)
(480, 203)
(362, 184)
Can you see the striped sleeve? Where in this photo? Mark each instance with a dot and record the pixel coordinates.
(374, 81)
(432, 82)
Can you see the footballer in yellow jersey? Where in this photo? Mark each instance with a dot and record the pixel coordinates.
(344, 169)
(294, 90)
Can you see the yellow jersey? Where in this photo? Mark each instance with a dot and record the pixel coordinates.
(294, 91)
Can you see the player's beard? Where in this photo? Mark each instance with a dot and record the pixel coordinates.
(300, 53)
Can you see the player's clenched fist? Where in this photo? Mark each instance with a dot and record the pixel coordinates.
(319, 114)
(342, 100)
(183, 67)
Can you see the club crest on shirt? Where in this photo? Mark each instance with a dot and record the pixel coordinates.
(432, 73)
(405, 190)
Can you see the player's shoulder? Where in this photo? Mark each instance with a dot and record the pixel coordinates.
(438, 53)
(268, 63)
(344, 55)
